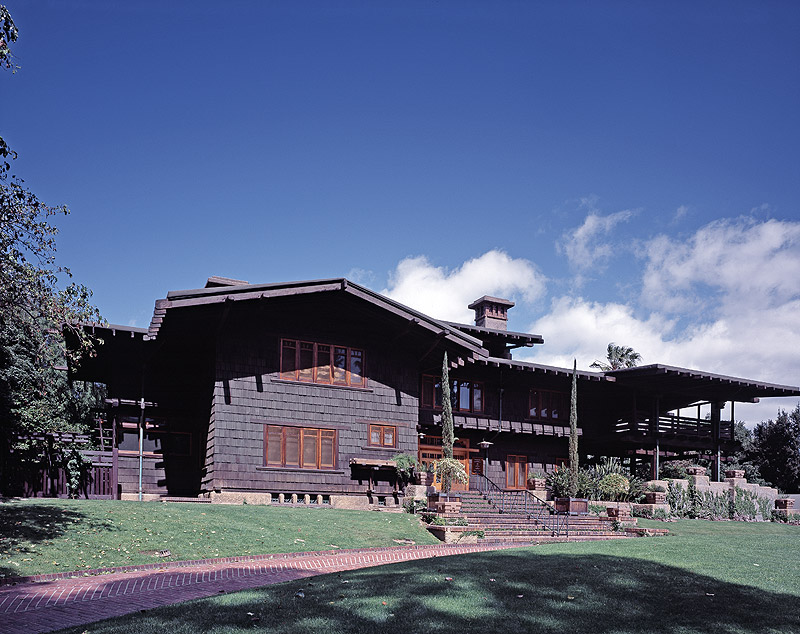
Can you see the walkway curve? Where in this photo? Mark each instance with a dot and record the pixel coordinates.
(50, 602)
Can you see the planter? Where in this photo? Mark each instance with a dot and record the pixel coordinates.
(573, 506)
(784, 504)
(425, 479)
(445, 503)
(734, 473)
(536, 484)
(655, 497)
(696, 471)
(612, 511)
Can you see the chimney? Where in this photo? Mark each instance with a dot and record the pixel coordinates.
(491, 312)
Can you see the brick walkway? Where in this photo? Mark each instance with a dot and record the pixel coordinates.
(54, 603)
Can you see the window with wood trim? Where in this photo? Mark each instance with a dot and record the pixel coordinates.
(465, 395)
(382, 436)
(322, 363)
(548, 405)
(299, 447)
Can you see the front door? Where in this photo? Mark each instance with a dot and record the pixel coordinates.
(516, 472)
(429, 455)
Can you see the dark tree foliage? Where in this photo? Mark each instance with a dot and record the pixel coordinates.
(776, 450)
(37, 305)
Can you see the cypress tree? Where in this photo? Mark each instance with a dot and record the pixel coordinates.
(448, 435)
(573, 434)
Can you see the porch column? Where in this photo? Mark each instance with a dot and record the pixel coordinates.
(716, 409)
(654, 427)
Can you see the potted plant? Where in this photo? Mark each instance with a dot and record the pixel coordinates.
(656, 494)
(405, 465)
(426, 474)
(536, 481)
(694, 470)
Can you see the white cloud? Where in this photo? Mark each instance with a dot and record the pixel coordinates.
(365, 277)
(728, 265)
(680, 212)
(445, 294)
(586, 247)
(734, 288)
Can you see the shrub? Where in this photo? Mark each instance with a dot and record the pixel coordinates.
(613, 486)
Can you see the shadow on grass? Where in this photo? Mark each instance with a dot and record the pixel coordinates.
(490, 592)
(23, 525)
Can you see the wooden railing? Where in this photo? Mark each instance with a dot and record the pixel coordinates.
(673, 425)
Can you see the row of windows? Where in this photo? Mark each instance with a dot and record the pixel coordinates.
(465, 396)
(340, 365)
(322, 363)
(312, 448)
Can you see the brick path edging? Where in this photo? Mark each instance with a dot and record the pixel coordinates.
(45, 605)
(75, 574)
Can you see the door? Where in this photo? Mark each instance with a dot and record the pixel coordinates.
(428, 455)
(516, 472)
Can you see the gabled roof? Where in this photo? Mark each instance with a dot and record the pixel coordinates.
(244, 292)
(666, 378)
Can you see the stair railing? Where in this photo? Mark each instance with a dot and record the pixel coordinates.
(523, 502)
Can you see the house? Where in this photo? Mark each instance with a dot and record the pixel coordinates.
(263, 392)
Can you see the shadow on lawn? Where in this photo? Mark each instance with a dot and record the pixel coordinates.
(560, 593)
(27, 524)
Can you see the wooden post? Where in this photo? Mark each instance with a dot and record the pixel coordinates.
(654, 427)
(114, 459)
(716, 411)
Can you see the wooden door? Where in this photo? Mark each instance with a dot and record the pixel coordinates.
(516, 472)
(430, 454)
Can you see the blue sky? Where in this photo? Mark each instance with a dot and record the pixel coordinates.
(624, 171)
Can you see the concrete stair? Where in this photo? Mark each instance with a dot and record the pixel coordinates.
(516, 526)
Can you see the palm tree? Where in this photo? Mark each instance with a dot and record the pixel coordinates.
(618, 357)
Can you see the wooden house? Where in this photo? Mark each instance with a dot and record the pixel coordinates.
(305, 391)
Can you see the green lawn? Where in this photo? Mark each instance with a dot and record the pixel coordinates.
(715, 578)
(38, 536)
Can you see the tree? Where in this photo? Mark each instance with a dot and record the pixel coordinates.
(36, 308)
(618, 357)
(573, 434)
(776, 450)
(448, 433)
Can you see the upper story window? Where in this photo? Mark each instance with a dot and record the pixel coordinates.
(382, 436)
(548, 405)
(322, 363)
(466, 396)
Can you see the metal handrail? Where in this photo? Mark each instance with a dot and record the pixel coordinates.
(522, 502)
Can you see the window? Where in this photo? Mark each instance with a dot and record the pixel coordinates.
(382, 436)
(466, 396)
(322, 363)
(547, 405)
(301, 447)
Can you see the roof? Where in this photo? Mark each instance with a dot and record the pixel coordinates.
(526, 366)
(666, 378)
(516, 339)
(245, 292)
(494, 300)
